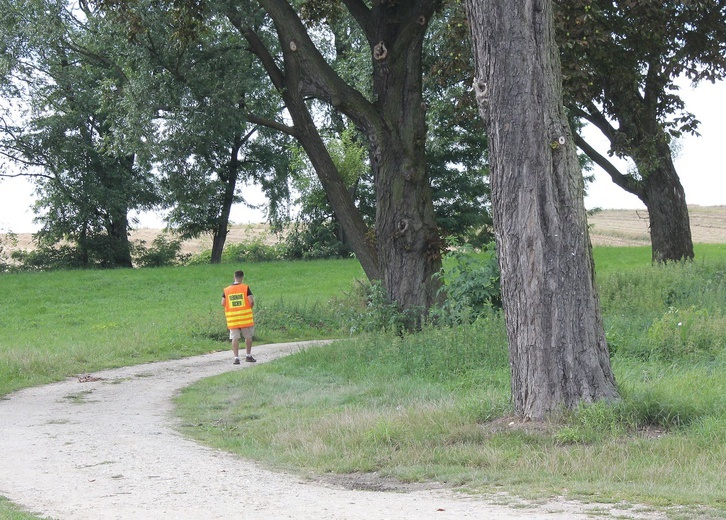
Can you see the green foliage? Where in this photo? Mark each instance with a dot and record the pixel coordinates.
(471, 283)
(163, 252)
(368, 309)
(316, 232)
(456, 144)
(306, 241)
(251, 251)
(49, 258)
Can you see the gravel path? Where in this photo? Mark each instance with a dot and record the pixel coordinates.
(107, 449)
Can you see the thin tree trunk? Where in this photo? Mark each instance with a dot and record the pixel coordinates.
(557, 348)
(219, 235)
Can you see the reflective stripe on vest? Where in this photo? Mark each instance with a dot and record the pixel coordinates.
(237, 307)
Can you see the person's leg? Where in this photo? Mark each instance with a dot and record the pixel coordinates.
(248, 333)
(234, 335)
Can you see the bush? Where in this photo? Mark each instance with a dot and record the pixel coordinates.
(47, 258)
(315, 241)
(251, 251)
(368, 310)
(471, 284)
(248, 251)
(163, 252)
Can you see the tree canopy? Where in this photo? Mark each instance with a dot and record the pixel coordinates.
(621, 61)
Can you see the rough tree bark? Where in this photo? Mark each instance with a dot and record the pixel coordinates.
(409, 245)
(670, 225)
(557, 348)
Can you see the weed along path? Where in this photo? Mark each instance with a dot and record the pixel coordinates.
(105, 447)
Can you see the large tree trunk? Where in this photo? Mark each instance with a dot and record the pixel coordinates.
(118, 232)
(663, 195)
(558, 353)
(409, 244)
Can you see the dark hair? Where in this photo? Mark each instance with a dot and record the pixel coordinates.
(239, 274)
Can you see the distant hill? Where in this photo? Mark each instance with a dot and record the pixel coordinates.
(610, 227)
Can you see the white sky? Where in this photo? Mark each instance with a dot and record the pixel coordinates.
(701, 163)
(701, 167)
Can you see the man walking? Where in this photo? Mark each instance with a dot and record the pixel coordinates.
(238, 301)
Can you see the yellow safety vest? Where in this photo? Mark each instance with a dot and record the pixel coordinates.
(237, 308)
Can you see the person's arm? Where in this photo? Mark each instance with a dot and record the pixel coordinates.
(251, 299)
(223, 298)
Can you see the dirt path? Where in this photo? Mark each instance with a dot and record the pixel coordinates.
(108, 449)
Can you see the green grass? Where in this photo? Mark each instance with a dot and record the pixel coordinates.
(57, 324)
(9, 511)
(427, 406)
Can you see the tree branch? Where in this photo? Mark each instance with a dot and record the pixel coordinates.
(626, 182)
(259, 49)
(359, 10)
(317, 77)
(271, 123)
(598, 119)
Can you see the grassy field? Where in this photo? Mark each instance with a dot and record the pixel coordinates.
(414, 408)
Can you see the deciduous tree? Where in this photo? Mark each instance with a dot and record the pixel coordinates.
(58, 70)
(621, 60)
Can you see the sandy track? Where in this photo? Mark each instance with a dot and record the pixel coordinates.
(109, 450)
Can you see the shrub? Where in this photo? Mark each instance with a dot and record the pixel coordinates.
(248, 251)
(368, 309)
(251, 251)
(315, 241)
(163, 252)
(47, 258)
(471, 284)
